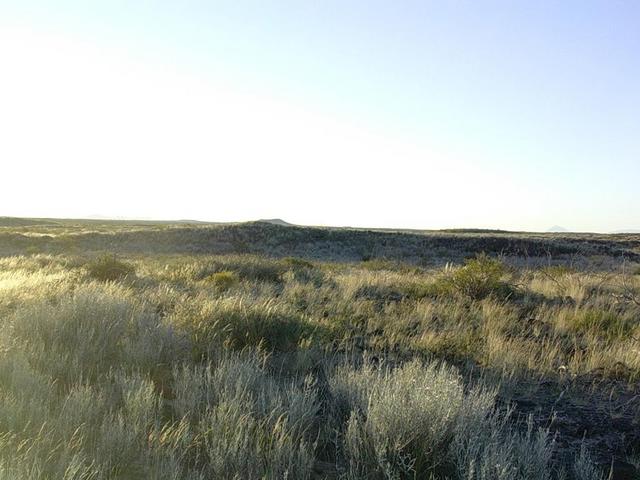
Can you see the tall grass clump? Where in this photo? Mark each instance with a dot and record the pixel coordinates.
(108, 268)
(222, 281)
(236, 324)
(86, 333)
(303, 272)
(600, 322)
(247, 267)
(247, 423)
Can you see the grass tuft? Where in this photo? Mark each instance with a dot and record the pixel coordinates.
(108, 268)
(222, 281)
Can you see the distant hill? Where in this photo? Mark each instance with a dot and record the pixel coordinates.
(277, 238)
(628, 230)
(557, 229)
(276, 221)
(24, 222)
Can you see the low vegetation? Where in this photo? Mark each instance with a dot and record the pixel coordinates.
(478, 278)
(223, 280)
(248, 367)
(109, 268)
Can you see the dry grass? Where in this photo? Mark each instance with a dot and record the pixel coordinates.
(245, 367)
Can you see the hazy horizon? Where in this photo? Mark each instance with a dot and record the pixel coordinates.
(558, 229)
(426, 115)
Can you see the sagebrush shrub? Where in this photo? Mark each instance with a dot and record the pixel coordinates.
(401, 420)
(584, 468)
(489, 448)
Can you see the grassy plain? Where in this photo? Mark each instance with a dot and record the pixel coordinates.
(248, 351)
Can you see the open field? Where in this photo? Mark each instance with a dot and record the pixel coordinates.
(134, 350)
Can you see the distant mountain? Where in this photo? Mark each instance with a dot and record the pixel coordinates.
(557, 229)
(276, 221)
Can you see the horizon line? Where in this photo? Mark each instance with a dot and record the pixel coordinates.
(284, 223)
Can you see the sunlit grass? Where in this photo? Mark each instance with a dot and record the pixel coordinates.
(246, 367)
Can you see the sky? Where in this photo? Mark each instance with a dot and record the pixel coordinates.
(516, 115)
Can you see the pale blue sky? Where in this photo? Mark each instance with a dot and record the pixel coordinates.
(515, 115)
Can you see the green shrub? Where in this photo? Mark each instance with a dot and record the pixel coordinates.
(478, 278)
(223, 281)
(108, 268)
